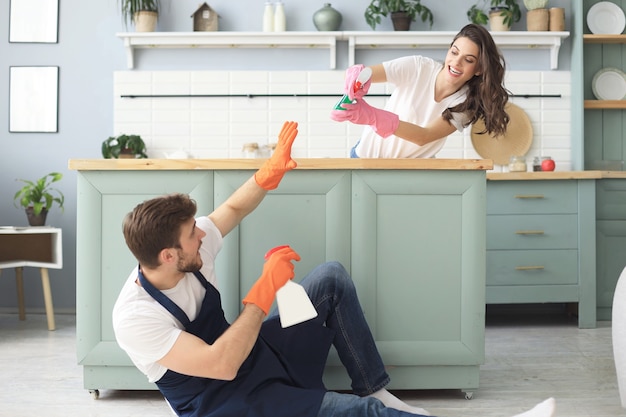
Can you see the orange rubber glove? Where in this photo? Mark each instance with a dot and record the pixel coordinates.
(277, 270)
(273, 170)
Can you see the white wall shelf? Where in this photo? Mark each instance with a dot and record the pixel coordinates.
(356, 40)
(133, 40)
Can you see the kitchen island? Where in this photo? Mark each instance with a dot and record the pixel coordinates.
(411, 233)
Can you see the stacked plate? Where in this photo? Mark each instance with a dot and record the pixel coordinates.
(609, 84)
(606, 18)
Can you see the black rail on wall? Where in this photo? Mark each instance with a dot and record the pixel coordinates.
(293, 95)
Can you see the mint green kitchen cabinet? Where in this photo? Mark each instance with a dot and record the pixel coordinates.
(103, 263)
(413, 240)
(541, 244)
(611, 240)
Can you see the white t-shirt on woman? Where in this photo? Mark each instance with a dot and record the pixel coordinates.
(413, 100)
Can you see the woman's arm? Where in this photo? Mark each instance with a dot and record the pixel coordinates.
(378, 73)
(419, 135)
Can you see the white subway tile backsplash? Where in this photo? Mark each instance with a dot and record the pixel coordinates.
(217, 127)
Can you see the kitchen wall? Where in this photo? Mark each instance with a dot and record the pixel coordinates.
(89, 55)
(218, 127)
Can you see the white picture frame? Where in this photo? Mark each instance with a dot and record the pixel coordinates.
(34, 21)
(33, 99)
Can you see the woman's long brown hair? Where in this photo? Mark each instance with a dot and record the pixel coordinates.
(486, 96)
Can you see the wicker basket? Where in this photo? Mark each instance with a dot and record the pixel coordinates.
(537, 20)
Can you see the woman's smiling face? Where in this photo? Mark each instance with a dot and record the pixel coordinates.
(461, 62)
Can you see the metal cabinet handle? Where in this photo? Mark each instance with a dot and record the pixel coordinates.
(536, 196)
(529, 232)
(529, 268)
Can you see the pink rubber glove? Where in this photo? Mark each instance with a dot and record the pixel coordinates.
(277, 270)
(272, 171)
(383, 122)
(350, 89)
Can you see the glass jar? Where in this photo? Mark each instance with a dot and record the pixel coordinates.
(536, 164)
(250, 150)
(517, 164)
(547, 166)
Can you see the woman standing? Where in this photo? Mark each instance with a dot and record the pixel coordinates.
(431, 99)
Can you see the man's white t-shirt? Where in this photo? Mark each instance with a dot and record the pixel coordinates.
(413, 100)
(144, 328)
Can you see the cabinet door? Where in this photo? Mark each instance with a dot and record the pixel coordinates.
(311, 213)
(103, 262)
(418, 257)
(611, 259)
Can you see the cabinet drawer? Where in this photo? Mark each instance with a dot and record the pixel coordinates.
(532, 197)
(611, 199)
(532, 267)
(550, 231)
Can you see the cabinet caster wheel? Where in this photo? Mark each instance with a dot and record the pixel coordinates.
(469, 395)
(95, 394)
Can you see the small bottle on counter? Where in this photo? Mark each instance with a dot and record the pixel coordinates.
(517, 164)
(536, 164)
(280, 22)
(250, 150)
(268, 17)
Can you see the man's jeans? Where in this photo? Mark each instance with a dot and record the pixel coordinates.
(332, 292)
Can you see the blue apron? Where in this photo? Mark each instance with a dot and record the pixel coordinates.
(282, 376)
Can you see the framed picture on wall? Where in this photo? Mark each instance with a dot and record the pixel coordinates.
(34, 21)
(33, 99)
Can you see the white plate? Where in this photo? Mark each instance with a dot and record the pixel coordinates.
(606, 18)
(609, 84)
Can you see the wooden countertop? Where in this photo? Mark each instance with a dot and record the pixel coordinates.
(311, 163)
(335, 163)
(554, 175)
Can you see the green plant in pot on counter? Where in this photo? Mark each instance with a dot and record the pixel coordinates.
(124, 146)
(37, 197)
(508, 10)
(406, 10)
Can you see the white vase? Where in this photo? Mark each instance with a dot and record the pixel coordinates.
(618, 325)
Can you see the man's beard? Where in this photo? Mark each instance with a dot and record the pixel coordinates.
(188, 265)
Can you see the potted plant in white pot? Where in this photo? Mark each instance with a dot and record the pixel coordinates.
(502, 14)
(37, 197)
(142, 13)
(402, 13)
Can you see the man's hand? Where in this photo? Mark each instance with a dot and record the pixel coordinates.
(383, 122)
(277, 270)
(273, 170)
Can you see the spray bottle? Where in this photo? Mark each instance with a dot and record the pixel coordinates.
(294, 305)
(363, 77)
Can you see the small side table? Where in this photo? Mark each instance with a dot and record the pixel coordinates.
(37, 246)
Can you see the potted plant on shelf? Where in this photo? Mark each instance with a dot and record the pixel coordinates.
(37, 197)
(502, 14)
(142, 13)
(402, 12)
(124, 146)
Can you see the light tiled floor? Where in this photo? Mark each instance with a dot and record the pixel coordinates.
(528, 358)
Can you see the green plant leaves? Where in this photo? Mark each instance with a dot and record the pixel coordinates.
(40, 194)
